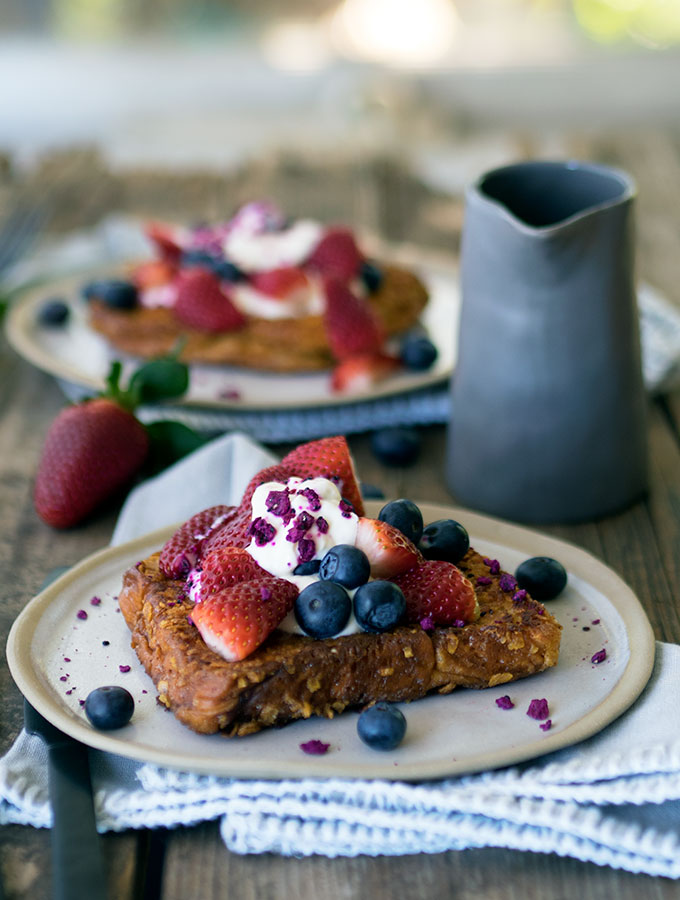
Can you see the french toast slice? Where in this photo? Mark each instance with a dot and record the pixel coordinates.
(292, 676)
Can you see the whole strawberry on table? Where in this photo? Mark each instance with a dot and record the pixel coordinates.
(94, 449)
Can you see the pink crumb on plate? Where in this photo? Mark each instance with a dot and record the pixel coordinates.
(314, 747)
(538, 709)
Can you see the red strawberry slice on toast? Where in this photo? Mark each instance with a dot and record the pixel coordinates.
(360, 373)
(226, 566)
(280, 283)
(438, 590)
(182, 551)
(202, 304)
(336, 255)
(233, 534)
(389, 550)
(154, 273)
(327, 458)
(236, 620)
(351, 326)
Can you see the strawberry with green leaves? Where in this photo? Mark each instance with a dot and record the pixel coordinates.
(94, 449)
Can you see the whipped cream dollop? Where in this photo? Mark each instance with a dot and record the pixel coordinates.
(258, 251)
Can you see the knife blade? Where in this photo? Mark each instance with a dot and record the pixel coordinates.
(76, 852)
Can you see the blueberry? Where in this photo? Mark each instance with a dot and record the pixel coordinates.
(405, 516)
(371, 491)
(53, 312)
(444, 539)
(346, 565)
(311, 567)
(418, 353)
(109, 707)
(542, 576)
(379, 606)
(398, 446)
(371, 275)
(115, 293)
(323, 609)
(382, 726)
(191, 258)
(227, 271)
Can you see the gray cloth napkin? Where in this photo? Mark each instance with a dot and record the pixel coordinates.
(612, 800)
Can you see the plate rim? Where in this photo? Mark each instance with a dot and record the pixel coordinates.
(20, 317)
(623, 694)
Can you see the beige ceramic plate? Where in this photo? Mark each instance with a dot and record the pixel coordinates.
(56, 658)
(79, 356)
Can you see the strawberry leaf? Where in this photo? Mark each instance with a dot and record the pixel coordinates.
(160, 379)
(170, 441)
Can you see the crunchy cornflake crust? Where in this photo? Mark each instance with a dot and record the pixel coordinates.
(280, 345)
(292, 677)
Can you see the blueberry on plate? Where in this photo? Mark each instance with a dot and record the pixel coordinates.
(227, 271)
(311, 567)
(379, 606)
(109, 707)
(382, 726)
(397, 446)
(53, 313)
(444, 539)
(345, 564)
(418, 353)
(115, 293)
(323, 609)
(371, 275)
(404, 515)
(542, 576)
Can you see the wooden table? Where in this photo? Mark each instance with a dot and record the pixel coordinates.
(641, 544)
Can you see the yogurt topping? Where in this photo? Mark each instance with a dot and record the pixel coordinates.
(257, 251)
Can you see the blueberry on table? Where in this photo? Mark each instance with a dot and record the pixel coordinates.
(323, 609)
(382, 726)
(113, 292)
(53, 312)
(404, 515)
(109, 707)
(398, 446)
(379, 606)
(418, 353)
(345, 564)
(542, 576)
(444, 539)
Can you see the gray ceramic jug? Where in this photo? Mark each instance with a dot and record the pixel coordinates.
(548, 405)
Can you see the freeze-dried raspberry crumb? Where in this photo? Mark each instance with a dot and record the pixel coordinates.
(519, 596)
(123, 669)
(599, 657)
(322, 525)
(546, 726)
(427, 623)
(95, 601)
(595, 622)
(261, 531)
(493, 564)
(483, 580)
(67, 659)
(81, 614)
(265, 593)
(507, 582)
(314, 747)
(313, 498)
(300, 527)
(346, 509)
(81, 703)
(278, 503)
(458, 623)
(63, 678)
(306, 550)
(538, 709)
(504, 702)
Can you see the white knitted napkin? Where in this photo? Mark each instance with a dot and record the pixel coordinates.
(612, 800)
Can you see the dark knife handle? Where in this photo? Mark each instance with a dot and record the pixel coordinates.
(76, 852)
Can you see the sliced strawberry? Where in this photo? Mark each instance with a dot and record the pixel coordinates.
(336, 255)
(278, 472)
(154, 273)
(224, 567)
(360, 373)
(233, 534)
(182, 551)
(236, 620)
(202, 304)
(351, 326)
(327, 458)
(165, 239)
(438, 590)
(280, 283)
(389, 550)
